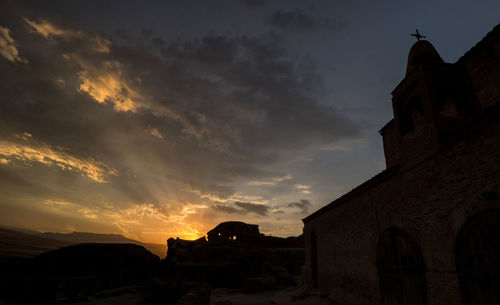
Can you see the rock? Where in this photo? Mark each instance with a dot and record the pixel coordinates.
(128, 262)
(199, 294)
(234, 230)
(79, 271)
(343, 296)
(234, 256)
(164, 292)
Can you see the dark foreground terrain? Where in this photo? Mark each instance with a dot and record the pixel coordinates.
(16, 242)
(235, 265)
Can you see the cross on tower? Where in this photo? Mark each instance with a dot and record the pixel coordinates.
(417, 35)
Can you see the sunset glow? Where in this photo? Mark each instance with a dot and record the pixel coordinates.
(157, 121)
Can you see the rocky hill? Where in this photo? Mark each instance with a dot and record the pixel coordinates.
(27, 243)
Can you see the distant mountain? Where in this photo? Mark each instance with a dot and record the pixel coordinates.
(158, 249)
(23, 240)
(19, 244)
(85, 237)
(22, 230)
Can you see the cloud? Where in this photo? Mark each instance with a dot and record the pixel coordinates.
(218, 193)
(8, 47)
(244, 208)
(255, 3)
(46, 29)
(304, 188)
(299, 21)
(158, 42)
(144, 210)
(259, 209)
(303, 206)
(154, 132)
(49, 31)
(301, 186)
(250, 86)
(225, 209)
(271, 181)
(236, 110)
(67, 207)
(132, 221)
(102, 80)
(105, 83)
(42, 153)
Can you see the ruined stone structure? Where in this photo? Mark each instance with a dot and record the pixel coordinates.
(237, 255)
(234, 230)
(426, 230)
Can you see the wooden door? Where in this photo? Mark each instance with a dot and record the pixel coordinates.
(477, 255)
(401, 270)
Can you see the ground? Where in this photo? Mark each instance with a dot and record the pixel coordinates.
(294, 296)
(219, 296)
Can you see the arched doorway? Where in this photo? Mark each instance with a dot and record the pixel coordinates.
(477, 254)
(314, 260)
(401, 269)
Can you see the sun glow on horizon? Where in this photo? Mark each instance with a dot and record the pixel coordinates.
(113, 138)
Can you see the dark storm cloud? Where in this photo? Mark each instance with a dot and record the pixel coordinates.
(121, 34)
(147, 32)
(225, 209)
(175, 124)
(158, 42)
(252, 84)
(43, 99)
(303, 205)
(255, 3)
(300, 21)
(194, 124)
(243, 208)
(259, 209)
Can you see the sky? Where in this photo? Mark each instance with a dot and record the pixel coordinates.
(158, 119)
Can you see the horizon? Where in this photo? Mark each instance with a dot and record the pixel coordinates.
(29, 231)
(164, 120)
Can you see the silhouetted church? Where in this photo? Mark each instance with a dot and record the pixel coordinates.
(426, 230)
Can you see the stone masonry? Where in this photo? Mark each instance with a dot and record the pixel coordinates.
(443, 172)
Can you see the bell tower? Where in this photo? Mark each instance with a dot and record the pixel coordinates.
(429, 104)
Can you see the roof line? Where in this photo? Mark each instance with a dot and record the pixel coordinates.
(486, 120)
(378, 178)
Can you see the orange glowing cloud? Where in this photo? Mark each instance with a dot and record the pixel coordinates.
(106, 86)
(62, 207)
(270, 182)
(106, 81)
(147, 219)
(143, 221)
(154, 132)
(44, 154)
(103, 81)
(8, 47)
(49, 30)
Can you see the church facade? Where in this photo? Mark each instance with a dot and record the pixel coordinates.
(426, 230)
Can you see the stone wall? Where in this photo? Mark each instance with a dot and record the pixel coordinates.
(442, 170)
(482, 63)
(430, 200)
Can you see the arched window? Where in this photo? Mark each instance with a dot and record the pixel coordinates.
(401, 269)
(477, 254)
(409, 112)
